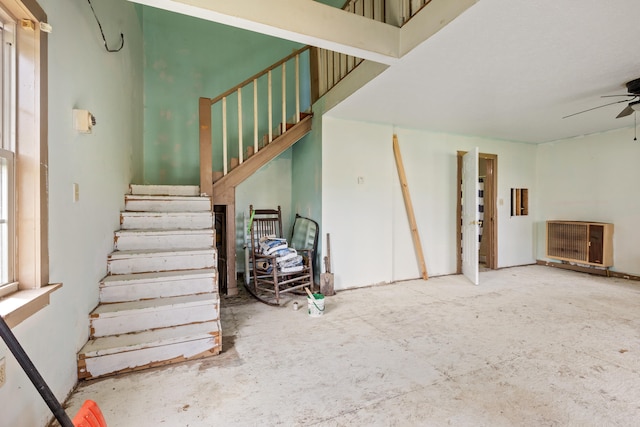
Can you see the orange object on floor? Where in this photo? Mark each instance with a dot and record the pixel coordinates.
(89, 415)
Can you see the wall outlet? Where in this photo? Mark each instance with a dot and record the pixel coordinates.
(3, 371)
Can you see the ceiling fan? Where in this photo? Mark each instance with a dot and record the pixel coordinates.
(633, 100)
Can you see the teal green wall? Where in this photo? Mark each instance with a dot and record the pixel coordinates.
(187, 58)
(306, 177)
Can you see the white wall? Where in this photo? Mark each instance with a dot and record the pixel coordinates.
(81, 75)
(593, 178)
(370, 236)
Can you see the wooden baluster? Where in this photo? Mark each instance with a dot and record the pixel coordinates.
(240, 145)
(314, 69)
(224, 136)
(284, 98)
(270, 113)
(255, 116)
(325, 70)
(329, 70)
(297, 119)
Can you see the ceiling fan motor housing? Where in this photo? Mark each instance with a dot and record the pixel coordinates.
(634, 86)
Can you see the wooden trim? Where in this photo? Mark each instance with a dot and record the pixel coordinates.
(409, 207)
(206, 153)
(459, 213)
(260, 74)
(225, 160)
(19, 306)
(492, 211)
(589, 270)
(283, 126)
(270, 105)
(314, 69)
(232, 285)
(240, 143)
(255, 116)
(43, 83)
(31, 167)
(297, 118)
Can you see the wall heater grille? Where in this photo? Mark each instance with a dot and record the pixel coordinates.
(567, 240)
(582, 242)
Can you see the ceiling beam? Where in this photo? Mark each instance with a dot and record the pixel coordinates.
(435, 16)
(307, 22)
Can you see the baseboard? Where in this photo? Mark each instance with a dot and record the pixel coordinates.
(589, 270)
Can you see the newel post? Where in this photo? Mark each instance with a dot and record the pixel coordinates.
(314, 68)
(206, 156)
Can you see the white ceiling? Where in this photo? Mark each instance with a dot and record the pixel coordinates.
(511, 69)
(505, 69)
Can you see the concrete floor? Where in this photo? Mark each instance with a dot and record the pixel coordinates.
(530, 346)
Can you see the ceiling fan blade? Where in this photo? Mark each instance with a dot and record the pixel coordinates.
(628, 95)
(595, 108)
(627, 111)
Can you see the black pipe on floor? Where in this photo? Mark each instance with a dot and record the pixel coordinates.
(33, 374)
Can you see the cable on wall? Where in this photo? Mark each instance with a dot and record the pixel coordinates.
(102, 32)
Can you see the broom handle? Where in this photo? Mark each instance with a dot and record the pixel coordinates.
(33, 374)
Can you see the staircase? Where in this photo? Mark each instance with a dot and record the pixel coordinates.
(159, 303)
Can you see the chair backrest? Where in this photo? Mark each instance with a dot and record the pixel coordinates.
(304, 235)
(264, 222)
(89, 415)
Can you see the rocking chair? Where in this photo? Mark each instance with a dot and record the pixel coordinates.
(269, 252)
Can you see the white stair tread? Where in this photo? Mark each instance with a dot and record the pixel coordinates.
(163, 336)
(164, 197)
(163, 190)
(164, 232)
(161, 214)
(122, 279)
(119, 308)
(145, 253)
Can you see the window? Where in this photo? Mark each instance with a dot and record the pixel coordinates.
(519, 201)
(24, 251)
(8, 283)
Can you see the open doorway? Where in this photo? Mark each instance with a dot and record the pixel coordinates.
(488, 221)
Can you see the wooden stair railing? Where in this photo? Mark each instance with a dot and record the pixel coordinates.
(269, 121)
(280, 112)
(328, 67)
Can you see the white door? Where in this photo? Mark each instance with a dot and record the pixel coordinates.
(470, 216)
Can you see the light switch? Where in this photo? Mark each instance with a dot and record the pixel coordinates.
(361, 180)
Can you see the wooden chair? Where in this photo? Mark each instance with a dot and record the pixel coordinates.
(269, 280)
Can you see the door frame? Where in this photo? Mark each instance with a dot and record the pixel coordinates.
(490, 222)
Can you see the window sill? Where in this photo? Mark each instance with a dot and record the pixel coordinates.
(20, 305)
